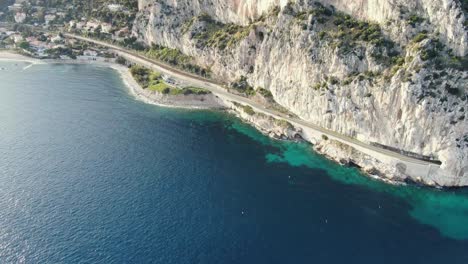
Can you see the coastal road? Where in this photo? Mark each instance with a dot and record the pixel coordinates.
(218, 89)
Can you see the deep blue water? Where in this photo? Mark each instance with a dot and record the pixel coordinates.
(88, 174)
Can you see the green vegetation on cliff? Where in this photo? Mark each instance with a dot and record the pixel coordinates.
(175, 58)
(216, 34)
(344, 32)
(242, 86)
(265, 93)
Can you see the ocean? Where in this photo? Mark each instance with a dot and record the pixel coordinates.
(89, 174)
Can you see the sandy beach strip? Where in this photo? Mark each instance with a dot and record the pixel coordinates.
(6, 55)
(124, 72)
(134, 88)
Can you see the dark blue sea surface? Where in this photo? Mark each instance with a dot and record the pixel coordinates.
(89, 174)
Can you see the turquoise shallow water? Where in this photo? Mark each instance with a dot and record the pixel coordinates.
(90, 175)
(443, 209)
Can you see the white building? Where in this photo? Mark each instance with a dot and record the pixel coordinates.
(90, 53)
(17, 38)
(57, 39)
(20, 17)
(49, 18)
(80, 25)
(91, 25)
(106, 27)
(115, 7)
(15, 7)
(61, 46)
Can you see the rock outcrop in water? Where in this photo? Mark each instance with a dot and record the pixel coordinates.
(387, 72)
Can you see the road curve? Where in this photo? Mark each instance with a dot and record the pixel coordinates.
(218, 89)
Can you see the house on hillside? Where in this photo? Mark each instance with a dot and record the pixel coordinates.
(120, 34)
(106, 27)
(90, 53)
(49, 18)
(92, 25)
(57, 39)
(115, 7)
(17, 38)
(15, 7)
(20, 17)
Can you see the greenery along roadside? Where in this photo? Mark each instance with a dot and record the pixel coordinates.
(173, 57)
(242, 86)
(176, 58)
(153, 81)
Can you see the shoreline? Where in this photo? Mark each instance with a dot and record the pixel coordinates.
(133, 87)
(372, 168)
(10, 55)
(124, 73)
(137, 92)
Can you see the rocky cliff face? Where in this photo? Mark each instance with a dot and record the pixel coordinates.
(446, 17)
(387, 71)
